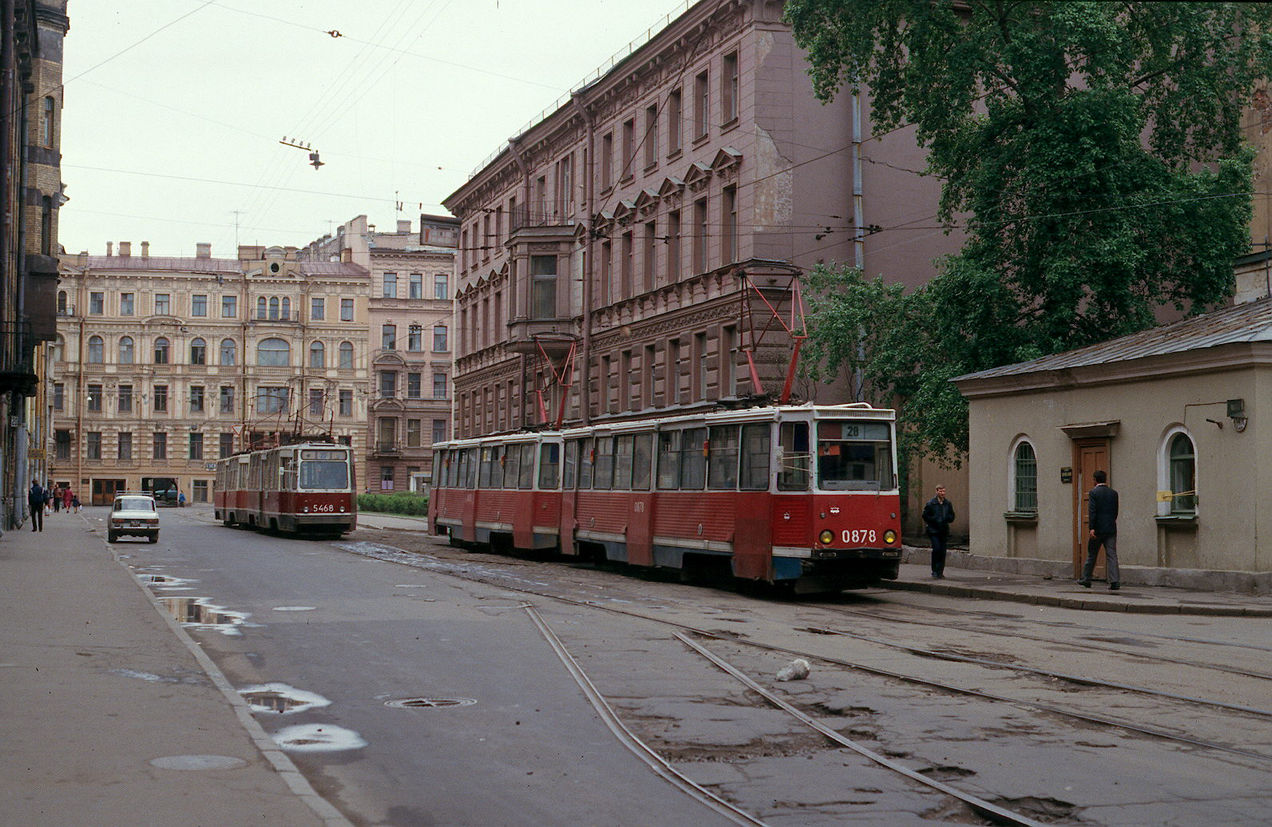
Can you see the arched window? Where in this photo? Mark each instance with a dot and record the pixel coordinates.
(1024, 484)
(273, 353)
(317, 355)
(95, 350)
(198, 352)
(260, 308)
(161, 351)
(229, 352)
(273, 307)
(125, 350)
(346, 355)
(61, 303)
(286, 308)
(1182, 471)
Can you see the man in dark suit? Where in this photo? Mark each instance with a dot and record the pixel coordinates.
(1102, 520)
(937, 516)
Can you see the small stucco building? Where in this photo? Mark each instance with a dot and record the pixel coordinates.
(1174, 414)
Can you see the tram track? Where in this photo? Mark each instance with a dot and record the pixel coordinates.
(1086, 646)
(1102, 721)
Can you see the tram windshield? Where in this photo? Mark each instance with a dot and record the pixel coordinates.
(854, 456)
(326, 469)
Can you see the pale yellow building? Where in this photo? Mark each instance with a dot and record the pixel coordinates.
(163, 365)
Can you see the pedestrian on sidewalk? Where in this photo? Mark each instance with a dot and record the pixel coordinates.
(67, 496)
(937, 515)
(57, 500)
(35, 499)
(1102, 521)
(75, 503)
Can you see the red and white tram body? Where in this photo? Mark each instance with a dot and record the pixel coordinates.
(307, 487)
(801, 495)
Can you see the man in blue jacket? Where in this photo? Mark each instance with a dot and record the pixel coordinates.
(36, 498)
(1102, 521)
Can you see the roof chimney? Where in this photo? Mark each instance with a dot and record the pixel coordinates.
(145, 249)
(404, 225)
(110, 247)
(203, 249)
(125, 249)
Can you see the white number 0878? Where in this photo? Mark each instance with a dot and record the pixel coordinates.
(864, 535)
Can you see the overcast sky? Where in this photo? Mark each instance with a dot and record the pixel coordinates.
(174, 109)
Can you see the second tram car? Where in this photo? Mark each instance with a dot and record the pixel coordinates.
(804, 496)
(306, 487)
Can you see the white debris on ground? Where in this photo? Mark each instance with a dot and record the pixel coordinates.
(796, 670)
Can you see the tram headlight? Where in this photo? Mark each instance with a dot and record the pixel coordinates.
(826, 537)
(889, 537)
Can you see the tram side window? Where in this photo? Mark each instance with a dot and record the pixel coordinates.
(526, 478)
(793, 474)
(470, 468)
(604, 471)
(693, 460)
(511, 466)
(755, 457)
(668, 460)
(641, 462)
(722, 462)
(587, 460)
(549, 465)
(623, 449)
(491, 473)
(571, 465)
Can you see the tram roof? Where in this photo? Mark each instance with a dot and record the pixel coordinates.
(853, 410)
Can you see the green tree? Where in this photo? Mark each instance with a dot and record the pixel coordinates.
(1091, 151)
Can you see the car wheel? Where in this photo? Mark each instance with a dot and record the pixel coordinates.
(111, 536)
(154, 538)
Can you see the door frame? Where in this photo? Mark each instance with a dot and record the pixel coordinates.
(1089, 455)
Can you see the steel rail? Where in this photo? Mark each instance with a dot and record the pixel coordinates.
(628, 739)
(1078, 679)
(1216, 667)
(980, 805)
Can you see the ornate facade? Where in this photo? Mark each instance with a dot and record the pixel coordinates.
(163, 365)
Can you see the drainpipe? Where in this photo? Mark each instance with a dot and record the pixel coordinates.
(858, 209)
(585, 396)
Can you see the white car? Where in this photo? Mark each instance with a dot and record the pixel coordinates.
(134, 515)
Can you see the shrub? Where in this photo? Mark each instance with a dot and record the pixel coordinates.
(415, 505)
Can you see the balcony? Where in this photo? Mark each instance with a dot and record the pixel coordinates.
(386, 449)
(555, 336)
(17, 368)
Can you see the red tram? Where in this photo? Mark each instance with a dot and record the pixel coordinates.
(797, 495)
(306, 487)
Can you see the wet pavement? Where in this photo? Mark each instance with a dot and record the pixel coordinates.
(110, 714)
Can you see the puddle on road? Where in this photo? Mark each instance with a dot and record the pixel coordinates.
(294, 608)
(164, 581)
(198, 613)
(317, 738)
(281, 698)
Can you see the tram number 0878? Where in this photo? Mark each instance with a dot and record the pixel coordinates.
(860, 536)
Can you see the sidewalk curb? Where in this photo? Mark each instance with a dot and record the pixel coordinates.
(1085, 603)
(268, 748)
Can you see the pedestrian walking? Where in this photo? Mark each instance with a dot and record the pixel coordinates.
(180, 499)
(1102, 522)
(75, 503)
(67, 496)
(937, 516)
(35, 499)
(57, 500)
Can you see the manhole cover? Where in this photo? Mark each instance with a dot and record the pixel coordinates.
(429, 703)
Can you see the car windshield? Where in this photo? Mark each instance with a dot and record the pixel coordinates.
(134, 504)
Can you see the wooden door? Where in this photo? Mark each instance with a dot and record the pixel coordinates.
(1089, 456)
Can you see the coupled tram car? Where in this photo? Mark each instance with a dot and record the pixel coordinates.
(800, 496)
(307, 487)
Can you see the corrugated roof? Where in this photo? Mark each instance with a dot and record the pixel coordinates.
(332, 268)
(1250, 322)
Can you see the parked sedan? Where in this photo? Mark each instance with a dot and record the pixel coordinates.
(134, 515)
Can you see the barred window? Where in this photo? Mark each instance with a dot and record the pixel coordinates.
(1026, 479)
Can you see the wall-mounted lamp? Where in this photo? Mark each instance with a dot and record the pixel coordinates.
(1236, 412)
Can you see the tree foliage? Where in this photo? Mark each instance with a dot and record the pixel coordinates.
(1091, 151)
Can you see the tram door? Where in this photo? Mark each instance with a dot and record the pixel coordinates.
(1089, 456)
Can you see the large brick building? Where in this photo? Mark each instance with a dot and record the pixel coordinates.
(618, 257)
